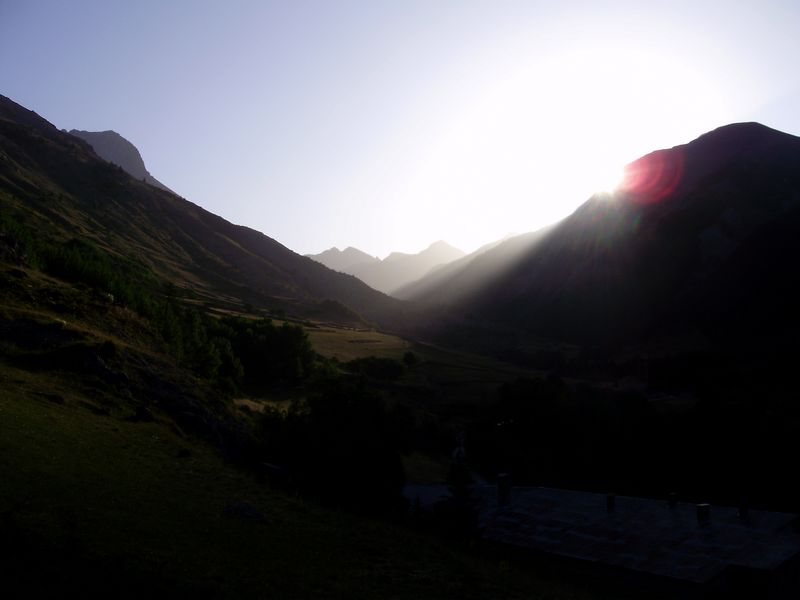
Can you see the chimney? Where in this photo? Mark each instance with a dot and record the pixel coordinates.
(503, 489)
(703, 513)
(611, 502)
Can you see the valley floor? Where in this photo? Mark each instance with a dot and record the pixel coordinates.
(93, 501)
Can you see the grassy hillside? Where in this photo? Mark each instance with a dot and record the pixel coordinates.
(55, 184)
(108, 488)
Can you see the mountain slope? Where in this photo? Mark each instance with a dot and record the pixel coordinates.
(56, 183)
(701, 240)
(467, 273)
(111, 146)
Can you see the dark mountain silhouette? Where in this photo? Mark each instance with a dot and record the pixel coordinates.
(114, 148)
(345, 260)
(700, 243)
(393, 272)
(56, 183)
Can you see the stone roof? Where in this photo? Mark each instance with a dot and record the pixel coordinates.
(640, 534)
(427, 495)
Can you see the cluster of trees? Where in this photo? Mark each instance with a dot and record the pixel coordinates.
(546, 432)
(338, 442)
(376, 367)
(234, 352)
(231, 352)
(80, 261)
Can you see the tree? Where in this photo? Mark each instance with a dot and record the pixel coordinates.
(409, 359)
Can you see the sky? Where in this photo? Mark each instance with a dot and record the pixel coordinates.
(388, 125)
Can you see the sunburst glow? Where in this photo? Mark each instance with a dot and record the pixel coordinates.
(541, 138)
(390, 127)
(612, 180)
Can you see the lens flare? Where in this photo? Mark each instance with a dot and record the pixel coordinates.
(654, 177)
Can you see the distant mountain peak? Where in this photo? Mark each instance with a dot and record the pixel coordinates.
(354, 250)
(442, 246)
(737, 137)
(393, 272)
(112, 147)
(671, 172)
(752, 127)
(343, 261)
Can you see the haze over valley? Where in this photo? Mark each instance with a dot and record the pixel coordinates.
(395, 271)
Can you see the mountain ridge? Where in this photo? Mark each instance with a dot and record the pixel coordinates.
(647, 261)
(57, 183)
(343, 260)
(393, 272)
(113, 147)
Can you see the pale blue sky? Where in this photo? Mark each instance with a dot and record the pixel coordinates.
(389, 125)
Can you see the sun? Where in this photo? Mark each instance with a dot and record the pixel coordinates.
(609, 180)
(538, 138)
